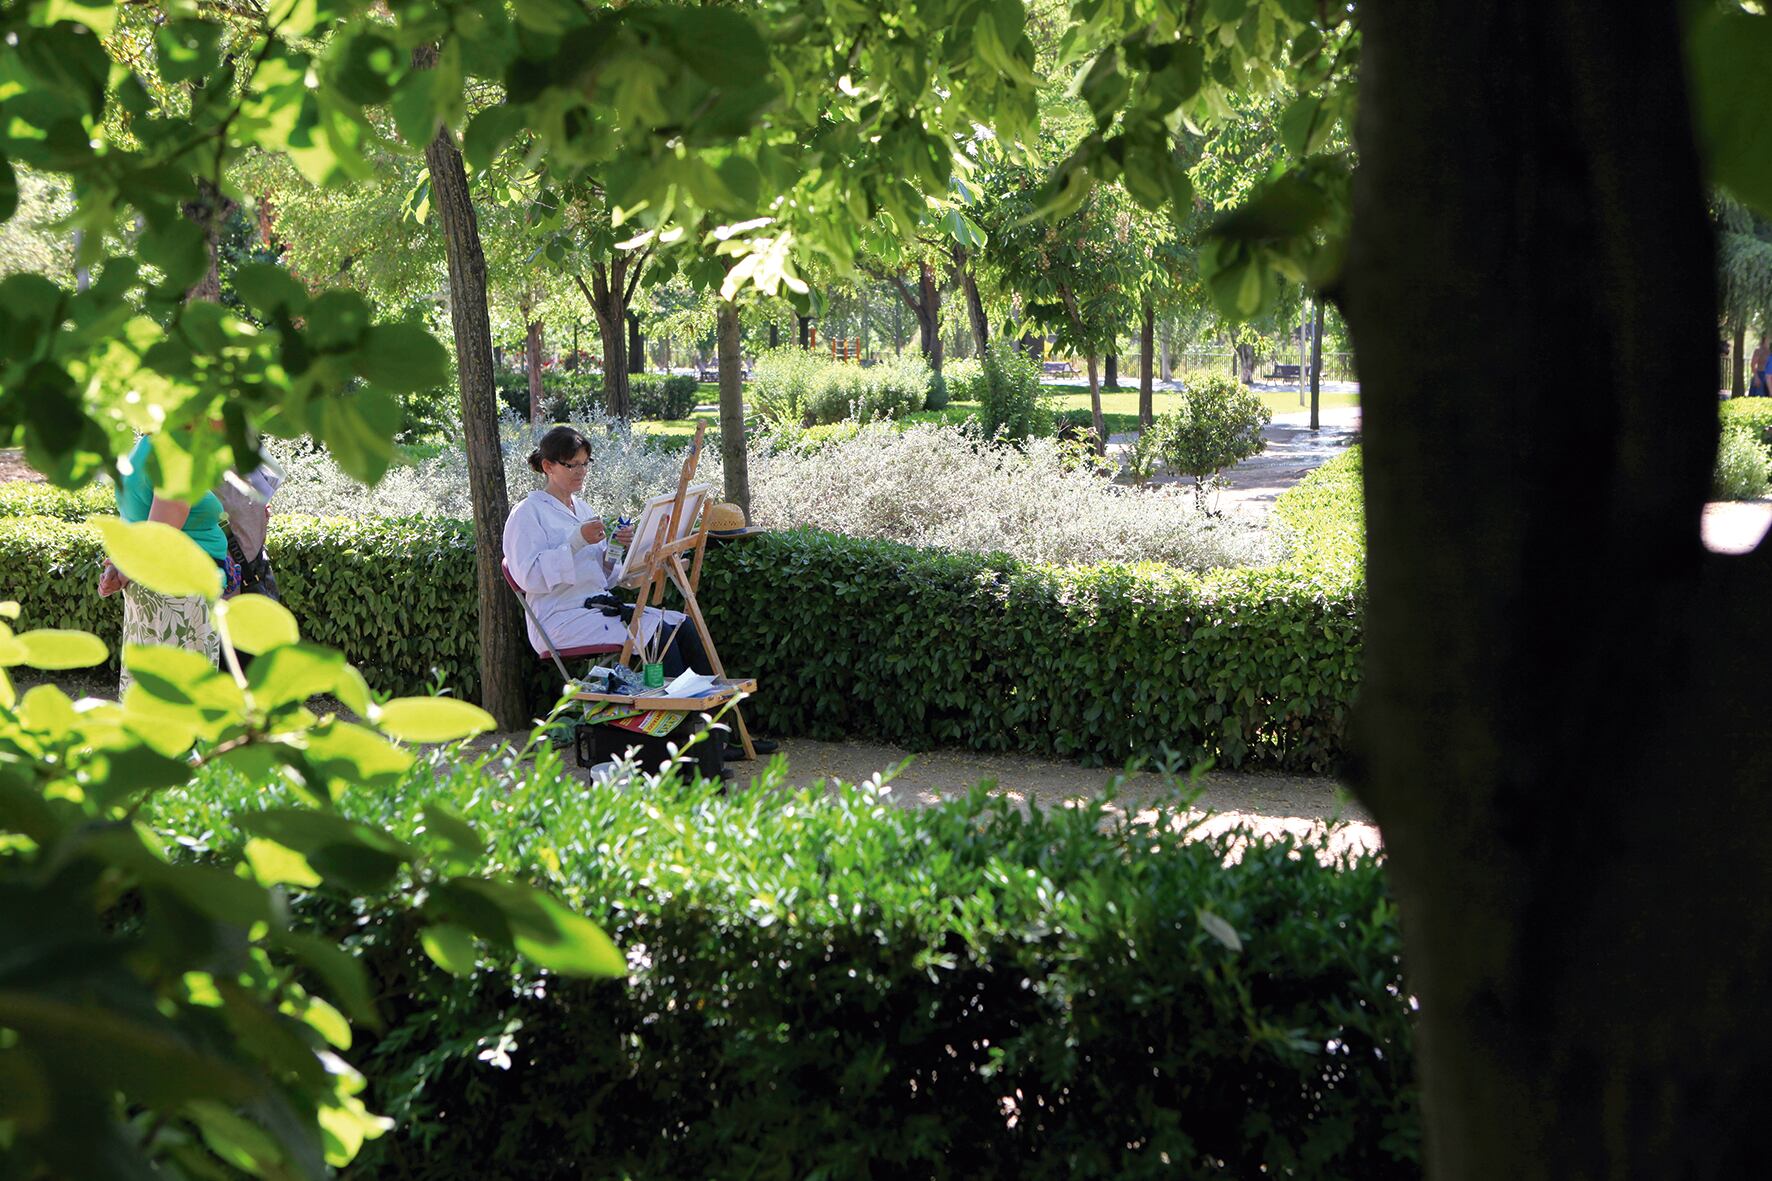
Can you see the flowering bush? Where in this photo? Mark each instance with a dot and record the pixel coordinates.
(947, 488)
(625, 469)
(928, 485)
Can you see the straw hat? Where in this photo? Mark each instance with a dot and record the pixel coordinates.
(727, 520)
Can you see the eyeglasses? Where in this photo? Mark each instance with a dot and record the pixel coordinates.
(580, 466)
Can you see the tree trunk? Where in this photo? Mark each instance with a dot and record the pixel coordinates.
(1113, 371)
(208, 210)
(805, 332)
(974, 305)
(532, 365)
(774, 335)
(504, 650)
(1146, 335)
(732, 443)
(1588, 940)
(1738, 360)
(928, 311)
(1317, 365)
(607, 295)
(1245, 363)
(636, 344)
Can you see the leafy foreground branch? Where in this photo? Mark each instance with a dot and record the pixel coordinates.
(160, 1017)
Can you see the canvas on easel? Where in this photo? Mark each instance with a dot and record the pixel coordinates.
(678, 529)
(655, 528)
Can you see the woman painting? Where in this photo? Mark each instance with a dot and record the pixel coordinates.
(180, 621)
(556, 550)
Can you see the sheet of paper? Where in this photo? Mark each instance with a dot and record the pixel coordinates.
(690, 683)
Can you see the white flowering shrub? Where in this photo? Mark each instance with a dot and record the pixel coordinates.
(944, 487)
(625, 470)
(929, 485)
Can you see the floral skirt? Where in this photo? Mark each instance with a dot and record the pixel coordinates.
(178, 621)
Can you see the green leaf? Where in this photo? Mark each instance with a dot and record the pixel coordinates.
(275, 865)
(1728, 51)
(293, 672)
(434, 719)
(256, 623)
(187, 49)
(547, 932)
(267, 289)
(179, 249)
(161, 558)
(402, 358)
(358, 429)
(488, 133)
(50, 648)
(337, 320)
(349, 754)
(457, 836)
(145, 1062)
(450, 947)
(341, 972)
(552, 17)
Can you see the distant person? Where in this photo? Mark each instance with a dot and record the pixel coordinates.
(1761, 386)
(248, 504)
(179, 621)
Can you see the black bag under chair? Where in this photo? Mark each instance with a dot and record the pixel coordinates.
(599, 742)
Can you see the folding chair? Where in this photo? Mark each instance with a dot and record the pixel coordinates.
(557, 655)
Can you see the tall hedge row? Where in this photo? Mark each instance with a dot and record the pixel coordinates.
(855, 637)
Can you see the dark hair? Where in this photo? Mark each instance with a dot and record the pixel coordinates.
(559, 445)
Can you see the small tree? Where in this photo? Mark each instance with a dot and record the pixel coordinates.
(1217, 424)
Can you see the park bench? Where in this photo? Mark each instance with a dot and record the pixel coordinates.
(1286, 373)
(1060, 368)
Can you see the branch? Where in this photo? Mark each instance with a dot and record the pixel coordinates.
(639, 266)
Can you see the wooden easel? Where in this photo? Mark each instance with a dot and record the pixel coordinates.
(663, 564)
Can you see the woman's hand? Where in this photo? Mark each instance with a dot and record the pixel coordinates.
(592, 530)
(624, 535)
(110, 581)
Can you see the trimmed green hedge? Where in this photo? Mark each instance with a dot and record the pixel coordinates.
(925, 648)
(1323, 518)
(1753, 413)
(21, 499)
(397, 597)
(856, 637)
(825, 985)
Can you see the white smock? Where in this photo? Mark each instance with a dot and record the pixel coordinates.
(558, 569)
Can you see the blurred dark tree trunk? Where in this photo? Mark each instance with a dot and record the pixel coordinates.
(1547, 642)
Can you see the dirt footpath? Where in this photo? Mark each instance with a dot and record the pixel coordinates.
(1267, 802)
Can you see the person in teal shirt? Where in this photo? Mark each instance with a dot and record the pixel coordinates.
(150, 617)
(202, 521)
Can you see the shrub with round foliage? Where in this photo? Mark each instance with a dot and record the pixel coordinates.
(1218, 423)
